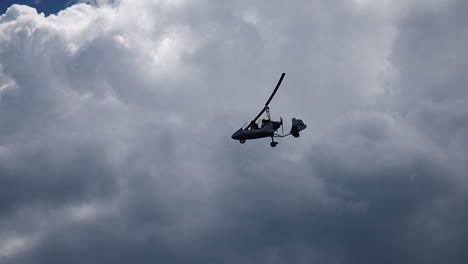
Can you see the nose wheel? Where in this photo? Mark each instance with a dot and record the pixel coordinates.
(273, 144)
(242, 141)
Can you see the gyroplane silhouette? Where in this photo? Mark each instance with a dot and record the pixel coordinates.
(268, 127)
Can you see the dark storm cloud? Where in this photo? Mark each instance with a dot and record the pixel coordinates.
(429, 55)
(114, 144)
(42, 181)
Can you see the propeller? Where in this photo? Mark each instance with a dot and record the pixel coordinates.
(282, 128)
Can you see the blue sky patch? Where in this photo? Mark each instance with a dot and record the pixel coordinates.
(43, 6)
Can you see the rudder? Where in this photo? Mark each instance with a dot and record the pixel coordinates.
(297, 125)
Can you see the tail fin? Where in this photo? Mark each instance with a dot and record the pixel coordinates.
(297, 125)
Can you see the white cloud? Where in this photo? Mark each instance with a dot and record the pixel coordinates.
(116, 120)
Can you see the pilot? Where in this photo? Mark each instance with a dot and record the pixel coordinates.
(254, 126)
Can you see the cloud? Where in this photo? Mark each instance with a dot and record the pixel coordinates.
(116, 121)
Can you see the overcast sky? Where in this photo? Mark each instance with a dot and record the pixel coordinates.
(116, 117)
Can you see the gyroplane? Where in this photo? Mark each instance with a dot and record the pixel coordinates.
(267, 127)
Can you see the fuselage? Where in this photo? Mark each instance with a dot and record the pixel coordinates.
(266, 130)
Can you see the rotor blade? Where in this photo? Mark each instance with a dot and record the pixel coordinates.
(269, 100)
(276, 88)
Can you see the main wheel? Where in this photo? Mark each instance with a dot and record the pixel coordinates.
(242, 141)
(273, 144)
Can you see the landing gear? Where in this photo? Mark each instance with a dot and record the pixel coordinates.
(273, 143)
(242, 141)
